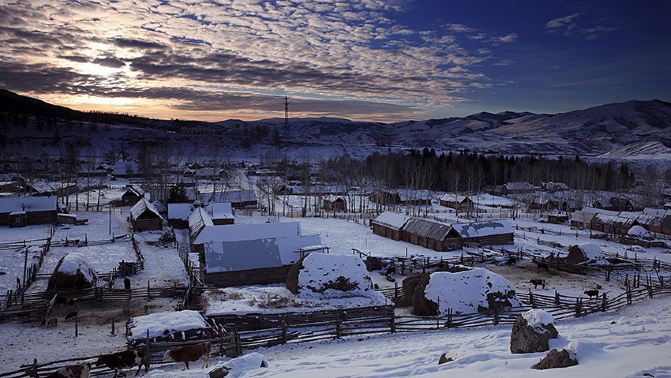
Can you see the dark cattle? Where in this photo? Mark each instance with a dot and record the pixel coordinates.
(126, 359)
(126, 284)
(73, 303)
(72, 371)
(71, 315)
(592, 293)
(190, 353)
(536, 282)
(50, 323)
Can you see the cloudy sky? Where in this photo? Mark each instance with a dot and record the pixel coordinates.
(361, 59)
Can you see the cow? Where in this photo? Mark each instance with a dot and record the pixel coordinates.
(125, 359)
(71, 315)
(190, 353)
(73, 371)
(536, 282)
(49, 322)
(592, 293)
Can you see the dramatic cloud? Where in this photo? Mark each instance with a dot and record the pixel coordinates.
(330, 55)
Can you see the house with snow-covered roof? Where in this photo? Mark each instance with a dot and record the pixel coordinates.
(491, 232)
(221, 213)
(145, 217)
(389, 224)
(249, 254)
(18, 211)
(178, 214)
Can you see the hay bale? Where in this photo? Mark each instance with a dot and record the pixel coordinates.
(292, 276)
(72, 272)
(421, 305)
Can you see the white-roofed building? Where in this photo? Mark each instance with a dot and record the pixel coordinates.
(389, 224)
(21, 211)
(145, 217)
(178, 214)
(198, 220)
(221, 213)
(493, 232)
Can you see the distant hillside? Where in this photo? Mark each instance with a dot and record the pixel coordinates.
(628, 130)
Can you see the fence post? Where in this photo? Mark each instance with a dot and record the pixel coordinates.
(147, 352)
(557, 301)
(449, 318)
(148, 290)
(531, 299)
(238, 344)
(604, 303)
(284, 332)
(578, 307)
(338, 325)
(392, 325)
(395, 292)
(496, 314)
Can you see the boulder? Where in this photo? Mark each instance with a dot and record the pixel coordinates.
(557, 359)
(219, 372)
(532, 332)
(444, 359)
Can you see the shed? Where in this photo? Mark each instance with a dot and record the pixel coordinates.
(145, 217)
(198, 220)
(169, 326)
(334, 204)
(456, 201)
(132, 194)
(238, 198)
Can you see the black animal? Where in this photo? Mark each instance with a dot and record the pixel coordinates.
(542, 265)
(61, 302)
(592, 293)
(125, 359)
(71, 315)
(536, 282)
(73, 303)
(126, 284)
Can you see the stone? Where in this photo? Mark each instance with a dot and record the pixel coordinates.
(526, 339)
(219, 372)
(557, 359)
(444, 359)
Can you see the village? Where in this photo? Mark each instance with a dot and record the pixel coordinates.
(112, 270)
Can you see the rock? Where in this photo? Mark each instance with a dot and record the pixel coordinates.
(527, 339)
(557, 359)
(219, 372)
(444, 359)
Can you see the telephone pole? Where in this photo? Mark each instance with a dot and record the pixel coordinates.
(286, 112)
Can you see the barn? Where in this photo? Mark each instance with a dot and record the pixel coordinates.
(21, 211)
(431, 234)
(132, 194)
(618, 224)
(221, 213)
(145, 217)
(389, 225)
(455, 201)
(494, 232)
(583, 218)
(252, 254)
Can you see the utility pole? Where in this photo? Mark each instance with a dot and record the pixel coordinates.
(286, 112)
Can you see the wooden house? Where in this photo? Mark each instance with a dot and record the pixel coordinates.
(518, 187)
(583, 218)
(239, 199)
(614, 224)
(389, 225)
(145, 217)
(21, 211)
(431, 234)
(252, 254)
(198, 221)
(459, 202)
(494, 232)
(557, 217)
(132, 195)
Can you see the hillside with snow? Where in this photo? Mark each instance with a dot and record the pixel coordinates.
(628, 130)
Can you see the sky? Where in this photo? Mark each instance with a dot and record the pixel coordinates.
(371, 60)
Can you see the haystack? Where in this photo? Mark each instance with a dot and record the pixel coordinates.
(72, 272)
(326, 275)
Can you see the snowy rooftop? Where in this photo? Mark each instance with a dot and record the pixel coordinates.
(391, 220)
(258, 253)
(254, 231)
(229, 196)
(180, 211)
(199, 220)
(480, 229)
(12, 204)
(220, 210)
(141, 206)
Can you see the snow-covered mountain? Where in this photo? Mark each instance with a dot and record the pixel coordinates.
(628, 130)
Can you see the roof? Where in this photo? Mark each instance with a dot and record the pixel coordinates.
(391, 220)
(233, 196)
(220, 210)
(519, 186)
(141, 206)
(12, 204)
(135, 189)
(180, 211)
(198, 220)
(166, 323)
(614, 220)
(480, 229)
(238, 232)
(427, 228)
(486, 199)
(453, 197)
(235, 255)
